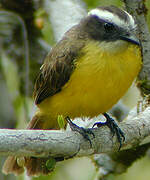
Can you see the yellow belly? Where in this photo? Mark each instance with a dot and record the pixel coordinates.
(99, 80)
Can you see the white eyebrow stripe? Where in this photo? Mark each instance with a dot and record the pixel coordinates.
(131, 20)
(110, 17)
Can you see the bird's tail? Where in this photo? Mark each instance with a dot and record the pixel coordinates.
(34, 166)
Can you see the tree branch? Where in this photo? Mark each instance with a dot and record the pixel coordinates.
(139, 11)
(70, 13)
(43, 143)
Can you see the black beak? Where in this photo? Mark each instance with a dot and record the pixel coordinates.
(131, 38)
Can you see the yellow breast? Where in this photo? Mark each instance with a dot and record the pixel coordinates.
(99, 80)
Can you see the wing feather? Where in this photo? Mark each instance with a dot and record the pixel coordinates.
(56, 70)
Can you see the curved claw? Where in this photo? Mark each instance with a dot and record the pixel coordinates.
(84, 132)
(110, 122)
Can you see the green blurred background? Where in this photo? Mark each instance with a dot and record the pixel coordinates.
(26, 36)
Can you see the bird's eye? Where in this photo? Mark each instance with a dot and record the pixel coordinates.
(109, 27)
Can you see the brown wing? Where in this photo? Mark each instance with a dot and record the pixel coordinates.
(56, 70)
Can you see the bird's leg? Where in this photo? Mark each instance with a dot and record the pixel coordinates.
(110, 122)
(84, 132)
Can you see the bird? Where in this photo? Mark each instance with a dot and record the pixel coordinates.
(84, 75)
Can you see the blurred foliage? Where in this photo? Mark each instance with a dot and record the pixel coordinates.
(29, 17)
(92, 4)
(41, 21)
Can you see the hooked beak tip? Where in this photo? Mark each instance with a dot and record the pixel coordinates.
(133, 39)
